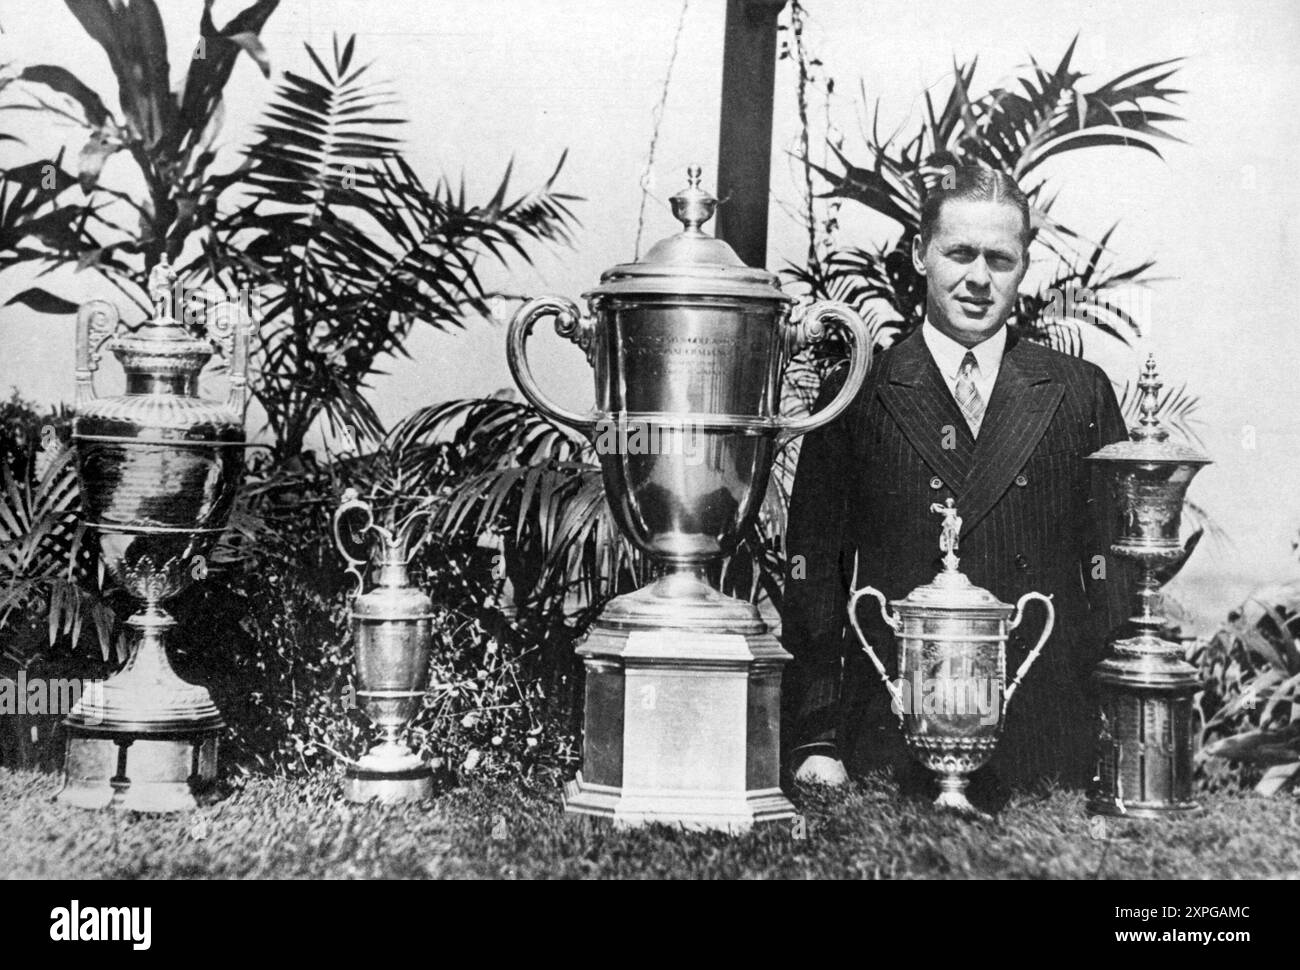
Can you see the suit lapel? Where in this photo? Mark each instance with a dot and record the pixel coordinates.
(1021, 407)
(918, 399)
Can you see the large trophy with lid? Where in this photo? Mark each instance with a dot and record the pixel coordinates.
(952, 695)
(1146, 686)
(158, 469)
(683, 682)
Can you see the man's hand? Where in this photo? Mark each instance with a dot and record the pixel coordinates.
(821, 769)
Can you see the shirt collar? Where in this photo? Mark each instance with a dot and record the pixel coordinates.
(948, 354)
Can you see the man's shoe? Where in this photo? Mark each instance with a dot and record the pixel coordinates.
(821, 769)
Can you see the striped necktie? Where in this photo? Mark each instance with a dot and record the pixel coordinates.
(972, 405)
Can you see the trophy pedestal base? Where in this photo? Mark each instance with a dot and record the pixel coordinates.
(389, 774)
(387, 790)
(1115, 809)
(688, 810)
(138, 773)
(682, 723)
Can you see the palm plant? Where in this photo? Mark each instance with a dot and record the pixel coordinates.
(1013, 130)
(170, 136)
(38, 222)
(42, 556)
(1250, 702)
(509, 471)
(348, 249)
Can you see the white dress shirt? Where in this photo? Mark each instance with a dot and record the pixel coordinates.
(949, 354)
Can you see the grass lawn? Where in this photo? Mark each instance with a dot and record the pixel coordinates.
(301, 828)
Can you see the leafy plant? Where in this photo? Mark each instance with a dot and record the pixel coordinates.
(1250, 703)
(47, 564)
(170, 136)
(1015, 130)
(348, 248)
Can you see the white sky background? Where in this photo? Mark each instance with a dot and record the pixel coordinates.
(482, 81)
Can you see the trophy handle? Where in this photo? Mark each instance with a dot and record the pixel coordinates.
(352, 503)
(1038, 648)
(894, 623)
(231, 327)
(568, 324)
(812, 329)
(97, 320)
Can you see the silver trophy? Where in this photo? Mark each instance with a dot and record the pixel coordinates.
(392, 627)
(688, 348)
(158, 467)
(952, 694)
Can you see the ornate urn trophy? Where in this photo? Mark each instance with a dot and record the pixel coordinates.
(392, 627)
(683, 683)
(158, 468)
(1144, 764)
(951, 696)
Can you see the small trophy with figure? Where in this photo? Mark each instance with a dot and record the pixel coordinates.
(951, 695)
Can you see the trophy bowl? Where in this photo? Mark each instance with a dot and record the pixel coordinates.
(688, 347)
(951, 695)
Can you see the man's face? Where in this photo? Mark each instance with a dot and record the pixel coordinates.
(973, 265)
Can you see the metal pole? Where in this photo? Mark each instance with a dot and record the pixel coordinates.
(745, 132)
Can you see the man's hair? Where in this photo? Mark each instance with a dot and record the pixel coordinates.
(977, 184)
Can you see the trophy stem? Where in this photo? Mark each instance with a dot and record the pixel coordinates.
(952, 796)
(149, 629)
(1146, 599)
(146, 697)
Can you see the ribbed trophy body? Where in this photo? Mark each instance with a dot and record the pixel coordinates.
(952, 694)
(1146, 746)
(158, 469)
(688, 348)
(392, 629)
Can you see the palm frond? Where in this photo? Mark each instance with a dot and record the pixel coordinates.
(350, 249)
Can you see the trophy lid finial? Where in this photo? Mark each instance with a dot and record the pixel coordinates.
(1149, 427)
(951, 589)
(162, 280)
(949, 535)
(693, 206)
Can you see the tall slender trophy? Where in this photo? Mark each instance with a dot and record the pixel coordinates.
(392, 628)
(683, 683)
(158, 468)
(1144, 762)
(952, 694)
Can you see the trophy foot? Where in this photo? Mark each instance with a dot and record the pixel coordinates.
(388, 788)
(389, 773)
(694, 810)
(1117, 808)
(145, 697)
(138, 774)
(952, 798)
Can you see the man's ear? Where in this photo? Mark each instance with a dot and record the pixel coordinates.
(918, 253)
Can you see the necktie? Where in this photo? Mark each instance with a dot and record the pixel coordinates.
(972, 405)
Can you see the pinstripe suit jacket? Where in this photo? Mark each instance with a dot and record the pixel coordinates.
(1030, 521)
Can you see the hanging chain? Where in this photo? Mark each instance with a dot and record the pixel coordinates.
(658, 118)
(801, 58)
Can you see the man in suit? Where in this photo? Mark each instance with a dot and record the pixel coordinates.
(958, 409)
